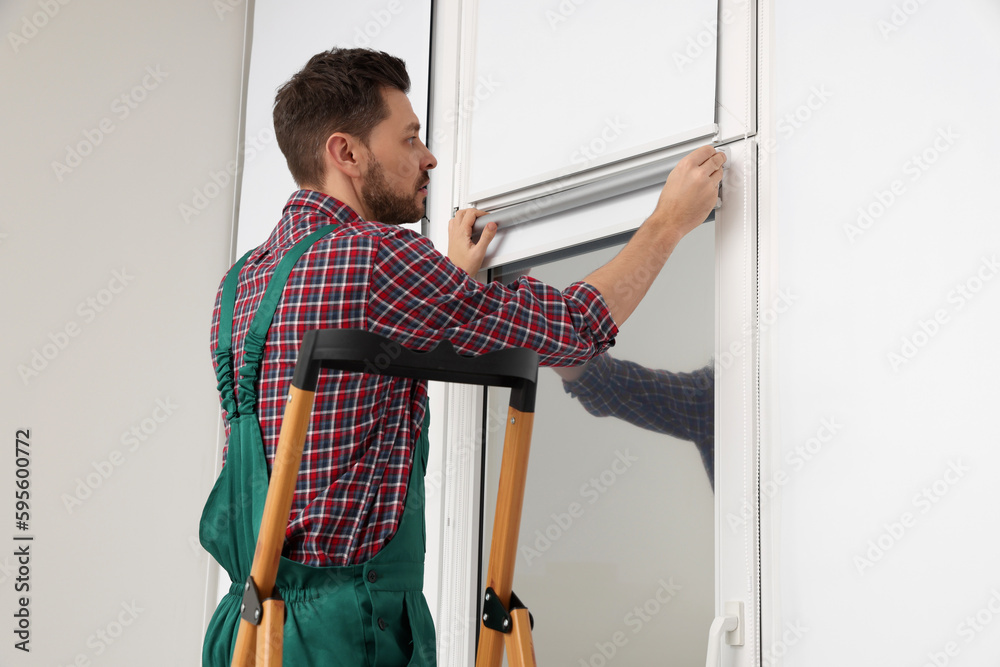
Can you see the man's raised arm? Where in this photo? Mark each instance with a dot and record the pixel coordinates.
(685, 201)
(687, 198)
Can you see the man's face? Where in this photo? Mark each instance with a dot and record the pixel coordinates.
(394, 189)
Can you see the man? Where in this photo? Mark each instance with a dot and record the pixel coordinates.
(352, 572)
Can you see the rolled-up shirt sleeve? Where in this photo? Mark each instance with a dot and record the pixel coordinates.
(418, 297)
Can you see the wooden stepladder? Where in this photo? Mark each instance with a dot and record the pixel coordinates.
(505, 621)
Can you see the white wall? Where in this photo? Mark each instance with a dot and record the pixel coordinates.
(880, 382)
(284, 38)
(108, 292)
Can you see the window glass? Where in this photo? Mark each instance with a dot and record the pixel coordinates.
(616, 551)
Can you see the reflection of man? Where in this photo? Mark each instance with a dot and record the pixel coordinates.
(352, 572)
(681, 405)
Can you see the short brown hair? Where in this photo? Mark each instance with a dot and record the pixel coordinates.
(339, 90)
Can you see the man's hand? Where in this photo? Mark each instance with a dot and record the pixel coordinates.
(465, 254)
(691, 190)
(685, 201)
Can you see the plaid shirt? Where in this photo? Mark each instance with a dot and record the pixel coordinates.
(681, 405)
(389, 280)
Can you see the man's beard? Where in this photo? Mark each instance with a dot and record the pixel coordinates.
(385, 205)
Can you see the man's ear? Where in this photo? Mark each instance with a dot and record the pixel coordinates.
(345, 154)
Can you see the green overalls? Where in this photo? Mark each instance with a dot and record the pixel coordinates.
(372, 614)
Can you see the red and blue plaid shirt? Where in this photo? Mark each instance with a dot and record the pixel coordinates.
(389, 280)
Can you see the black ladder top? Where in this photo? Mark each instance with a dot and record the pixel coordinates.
(360, 351)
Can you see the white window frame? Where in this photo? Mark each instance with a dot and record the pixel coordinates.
(736, 251)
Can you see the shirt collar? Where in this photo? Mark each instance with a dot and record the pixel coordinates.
(309, 210)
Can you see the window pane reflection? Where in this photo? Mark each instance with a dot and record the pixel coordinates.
(616, 551)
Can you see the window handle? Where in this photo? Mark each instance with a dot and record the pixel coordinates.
(732, 625)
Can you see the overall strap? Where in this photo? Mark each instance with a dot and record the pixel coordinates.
(224, 346)
(253, 342)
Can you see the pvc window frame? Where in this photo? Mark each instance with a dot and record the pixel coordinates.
(737, 436)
